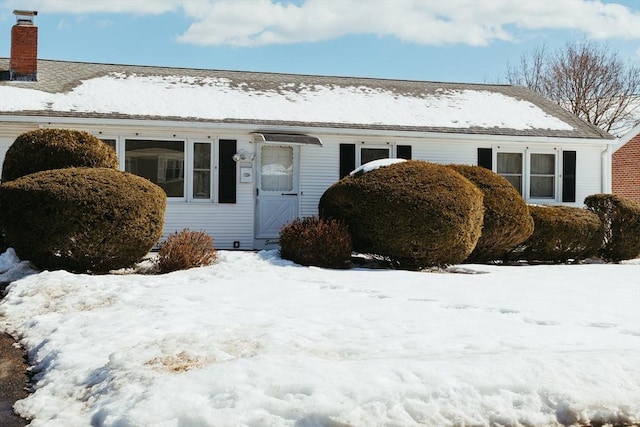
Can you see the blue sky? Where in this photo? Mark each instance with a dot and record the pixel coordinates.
(458, 40)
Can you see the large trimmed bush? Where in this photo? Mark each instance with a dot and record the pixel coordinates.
(507, 221)
(415, 213)
(46, 149)
(82, 219)
(621, 219)
(561, 233)
(315, 241)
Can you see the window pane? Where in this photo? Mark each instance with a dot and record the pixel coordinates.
(110, 142)
(201, 170)
(370, 154)
(542, 187)
(542, 179)
(543, 164)
(510, 163)
(201, 184)
(277, 169)
(161, 162)
(202, 155)
(516, 181)
(510, 167)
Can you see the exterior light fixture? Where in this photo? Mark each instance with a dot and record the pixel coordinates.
(243, 155)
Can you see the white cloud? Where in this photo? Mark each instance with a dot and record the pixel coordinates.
(261, 22)
(471, 22)
(142, 7)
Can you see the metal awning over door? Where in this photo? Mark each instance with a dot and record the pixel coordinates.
(286, 138)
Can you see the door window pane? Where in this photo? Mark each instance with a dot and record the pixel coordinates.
(370, 154)
(201, 170)
(510, 166)
(542, 179)
(276, 173)
(161, 162)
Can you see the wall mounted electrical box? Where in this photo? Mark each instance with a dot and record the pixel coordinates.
(246, 173)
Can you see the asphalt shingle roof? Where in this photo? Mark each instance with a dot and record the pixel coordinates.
(61, 77)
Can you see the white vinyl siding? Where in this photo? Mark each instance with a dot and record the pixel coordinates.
(589, 172)
(319, 169)
(443, 152)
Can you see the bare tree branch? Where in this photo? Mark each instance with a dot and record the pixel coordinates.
(587, 79)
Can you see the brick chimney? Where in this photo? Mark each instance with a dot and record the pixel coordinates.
(23, 64)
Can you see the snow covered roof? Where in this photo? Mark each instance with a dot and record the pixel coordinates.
(74, 89)
(631, 134)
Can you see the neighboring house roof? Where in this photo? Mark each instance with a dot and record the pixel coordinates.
(75, 89)
(627, 137)
(632, 120)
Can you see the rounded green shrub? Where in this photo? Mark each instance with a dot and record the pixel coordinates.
(621, 219)
(46, 149)
(507, 221)
(315, 241)
(561, 233)
(82, 219)
(186, 249)
(415, 213)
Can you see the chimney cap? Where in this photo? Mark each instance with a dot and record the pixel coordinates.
(25, 12)
(25, 16)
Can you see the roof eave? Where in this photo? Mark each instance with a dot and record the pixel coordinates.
(620, 142)
(248, 125)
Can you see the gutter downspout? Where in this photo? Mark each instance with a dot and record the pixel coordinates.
(606, 156)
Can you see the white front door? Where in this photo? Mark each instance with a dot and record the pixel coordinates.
(277, 189)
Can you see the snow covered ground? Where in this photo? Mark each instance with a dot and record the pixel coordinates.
(258, 341)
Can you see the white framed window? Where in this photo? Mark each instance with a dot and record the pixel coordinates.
(116, 142)
(111, 142)
(533, 172)
(186, 169)
(542, 175)
(202, 166)
(371, 152)
(160, 161)
(510, 166)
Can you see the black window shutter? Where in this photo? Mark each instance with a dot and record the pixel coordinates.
(227, 175)
(404, 152)
(347, 159)
(568, 176)
(485, 158)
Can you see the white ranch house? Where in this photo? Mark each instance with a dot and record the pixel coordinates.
(239, 154)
